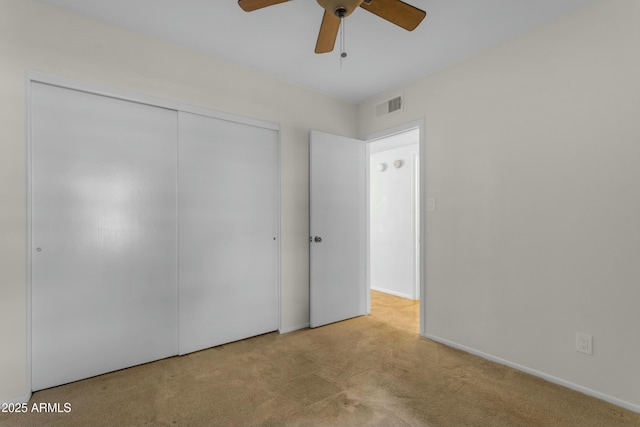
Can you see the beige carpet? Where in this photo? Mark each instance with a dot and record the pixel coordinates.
(363, 371)
(398, 312)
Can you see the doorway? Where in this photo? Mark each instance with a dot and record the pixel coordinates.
(394, 228)
(339, 217)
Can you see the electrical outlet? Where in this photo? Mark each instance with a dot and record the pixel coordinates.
(584, 343)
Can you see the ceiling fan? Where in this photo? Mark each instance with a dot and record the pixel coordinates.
(394, 11)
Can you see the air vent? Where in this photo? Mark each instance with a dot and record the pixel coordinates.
(389, 106)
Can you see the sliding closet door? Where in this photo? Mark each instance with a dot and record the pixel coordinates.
(104, 261)
(227, 231)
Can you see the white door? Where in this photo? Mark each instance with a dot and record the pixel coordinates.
(338, 228)
(104, 270)
(228, 228)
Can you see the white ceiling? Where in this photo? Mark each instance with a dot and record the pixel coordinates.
(279, 40)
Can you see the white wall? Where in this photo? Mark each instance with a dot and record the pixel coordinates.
(532, 151)
(39, 37)
(392, 229)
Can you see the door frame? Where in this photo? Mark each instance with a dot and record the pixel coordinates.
(416, 124)
(96, 89)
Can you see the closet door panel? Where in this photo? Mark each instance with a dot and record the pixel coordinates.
(104, 261)
(227, 229)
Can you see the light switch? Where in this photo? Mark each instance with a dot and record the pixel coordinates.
(431, 204)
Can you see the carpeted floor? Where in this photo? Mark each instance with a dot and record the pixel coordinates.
(363, 371)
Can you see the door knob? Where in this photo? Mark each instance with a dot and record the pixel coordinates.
(317, 239)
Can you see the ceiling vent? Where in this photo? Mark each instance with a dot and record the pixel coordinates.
(389, 106)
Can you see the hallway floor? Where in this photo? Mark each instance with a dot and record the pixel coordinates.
(401, 313)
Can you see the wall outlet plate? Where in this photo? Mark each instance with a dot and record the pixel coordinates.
(584, 343)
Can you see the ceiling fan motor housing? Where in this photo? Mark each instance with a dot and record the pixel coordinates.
(340, 8)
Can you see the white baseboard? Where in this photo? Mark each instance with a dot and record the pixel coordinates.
(398, 294)
(550, 378)
(293, 328)
(19, 399)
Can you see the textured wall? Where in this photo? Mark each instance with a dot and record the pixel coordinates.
(532, 152)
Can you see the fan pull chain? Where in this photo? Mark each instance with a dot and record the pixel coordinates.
(343, 53)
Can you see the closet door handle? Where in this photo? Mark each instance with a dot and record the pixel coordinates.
(317, 239)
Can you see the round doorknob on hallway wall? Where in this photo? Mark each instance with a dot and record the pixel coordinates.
(317, 239)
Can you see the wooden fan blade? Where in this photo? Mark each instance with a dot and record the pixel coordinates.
(397, 12)
(328, 33)
(251, 5)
